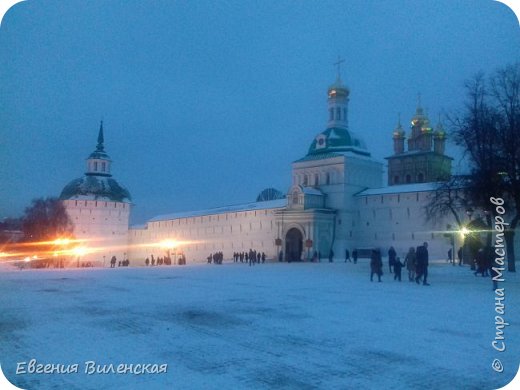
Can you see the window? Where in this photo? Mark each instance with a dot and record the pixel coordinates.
(103, 166)
(338, 113)
(327, 178)
(95, 165)
(295, 197)
(331, 111)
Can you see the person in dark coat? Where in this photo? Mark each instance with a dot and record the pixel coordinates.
(459, 255)
(147, 261)
(482, 263)
(354, 256)
(331, 255)
(391, 258)
(410, 262)
(347, 256)
(113, 262)
(398, 266)
(376, 265)
(421, 264)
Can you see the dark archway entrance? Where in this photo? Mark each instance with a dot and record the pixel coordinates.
(293, 245)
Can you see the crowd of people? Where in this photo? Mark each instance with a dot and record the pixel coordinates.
(123, 263)
(416, 263)
(166, 260)
(250, 257)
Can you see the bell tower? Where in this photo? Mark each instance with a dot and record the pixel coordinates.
(337, 101)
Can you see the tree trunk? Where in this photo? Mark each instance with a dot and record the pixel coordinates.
(510, 244)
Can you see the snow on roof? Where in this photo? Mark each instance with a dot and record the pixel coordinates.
(270, 204)
(402, 188)
(311, 191)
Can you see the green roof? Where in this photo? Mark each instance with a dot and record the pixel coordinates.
(96, 187)
(337, 139)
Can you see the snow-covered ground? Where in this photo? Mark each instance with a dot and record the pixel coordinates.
(276, 325)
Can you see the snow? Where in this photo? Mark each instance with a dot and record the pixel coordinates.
(400, 188)
(302, 325)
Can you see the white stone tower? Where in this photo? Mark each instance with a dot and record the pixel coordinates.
(100, 209)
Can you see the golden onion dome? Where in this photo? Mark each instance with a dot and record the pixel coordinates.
(399, 131)
(425, 128)
(338, 89)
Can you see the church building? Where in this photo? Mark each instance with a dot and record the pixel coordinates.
(336, 202)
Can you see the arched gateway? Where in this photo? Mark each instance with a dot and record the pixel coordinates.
(293, 245)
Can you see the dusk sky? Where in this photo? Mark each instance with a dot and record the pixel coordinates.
(206, 103)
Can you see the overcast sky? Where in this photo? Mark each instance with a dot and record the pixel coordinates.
(206, 103)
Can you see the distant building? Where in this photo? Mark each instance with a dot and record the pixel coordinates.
(99, 207)
(336, 201)
(424, 161)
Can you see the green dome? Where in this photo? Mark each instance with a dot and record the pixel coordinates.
(337, 139)
(92, 187)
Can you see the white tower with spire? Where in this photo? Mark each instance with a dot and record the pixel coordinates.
(99, 207)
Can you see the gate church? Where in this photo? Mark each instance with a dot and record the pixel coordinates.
(336, 202)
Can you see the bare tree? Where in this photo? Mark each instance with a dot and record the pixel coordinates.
(46, 220)
(488, 130)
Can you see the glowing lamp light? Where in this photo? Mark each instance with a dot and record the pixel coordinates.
(62, 241)
(80, 251)
(464, 231)
(27, 259)
(169, 244)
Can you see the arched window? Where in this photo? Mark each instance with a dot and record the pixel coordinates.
(95, 165)
(103, 166)
(327, 178)
(295, 197)
(331, 111)
(338, 113)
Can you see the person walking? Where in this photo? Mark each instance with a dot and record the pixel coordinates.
(376, 265)
(331, 255)
(397, 269)
(422, 264)
(354, 256)
(391, 258)
(409, 261)
(347, 256)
